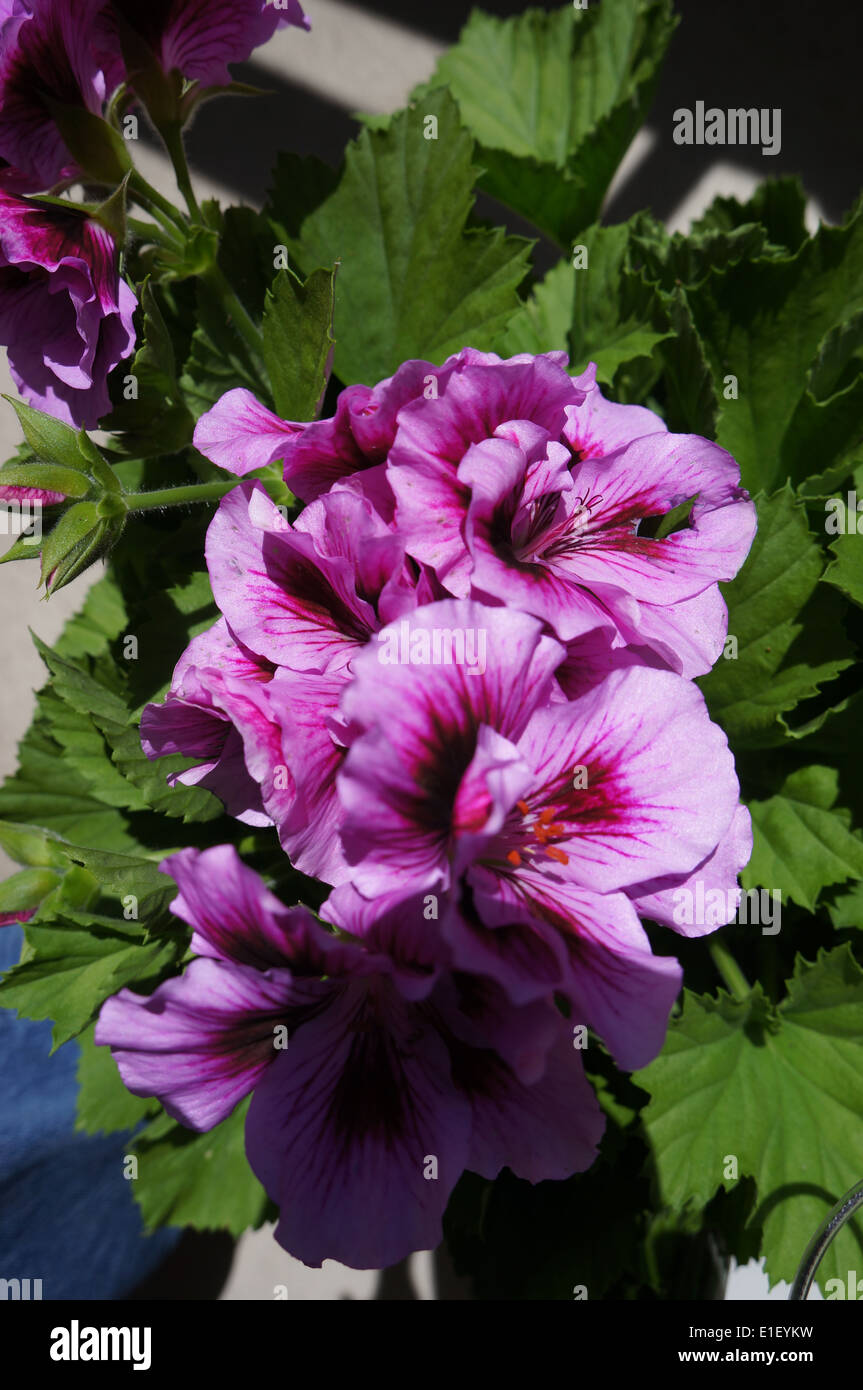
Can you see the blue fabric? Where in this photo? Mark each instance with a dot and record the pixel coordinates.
(67, 1215)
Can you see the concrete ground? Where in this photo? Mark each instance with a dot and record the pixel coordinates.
(368, 57)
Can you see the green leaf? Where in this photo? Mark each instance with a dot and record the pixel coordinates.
(826, 427)
(156, 420)
(199, 1180)
(300, 185)
(688, 259)
(122, 774)
(112, 212)
(413, 281)
(748, 695)
(803, 842)
(122, 873)
(613, 321)
(692, 400)
(846, 570)
(543, 322)
(847, 908)
(218, 360)
(104, 1104)
(63, 806)
(101, 620)
(72, 966)
(765, 321)
(298, 342)
(777, 205)
(554, 101)
(784, 1095)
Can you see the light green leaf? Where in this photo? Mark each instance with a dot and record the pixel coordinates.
(543, 322)
(65, 806)
(73, 966)
(554, 100)
(104, 1104)
(803, 842)
(613, 320)
(122, 873)
(847, 908)
(47, 477)
(413, 280)
(200, 1180)
(783, 1095)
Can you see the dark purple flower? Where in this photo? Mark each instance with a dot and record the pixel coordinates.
(549, 820)
(63, 50)
(546, 514)
(209, 679)
(199, 38)
(240, 434)
(376, 1077)
(516, 483)
(308, 595)
(66, 313)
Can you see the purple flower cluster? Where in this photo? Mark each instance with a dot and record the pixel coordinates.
(65, 310)
(459, 684)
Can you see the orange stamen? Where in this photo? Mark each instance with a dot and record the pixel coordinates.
(546, 815)
(514, 858)
(523, 807)
(558, 854)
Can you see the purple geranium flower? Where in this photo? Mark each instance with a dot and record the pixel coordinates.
(200, 37)
(64, 50)
(240, 434)
(66, 313)
(377, 1076)
(546, 513)
(308, 595)
(209, 680)
(516, 483)
(549, 819)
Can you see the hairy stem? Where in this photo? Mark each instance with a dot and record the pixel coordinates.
(172, 135)
(736, 982)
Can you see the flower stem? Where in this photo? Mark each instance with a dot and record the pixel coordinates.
(172, 135)
(196, 492)
(155, 233)
(180, 496)
(242, 320)
(154, 202)
(733, 977)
